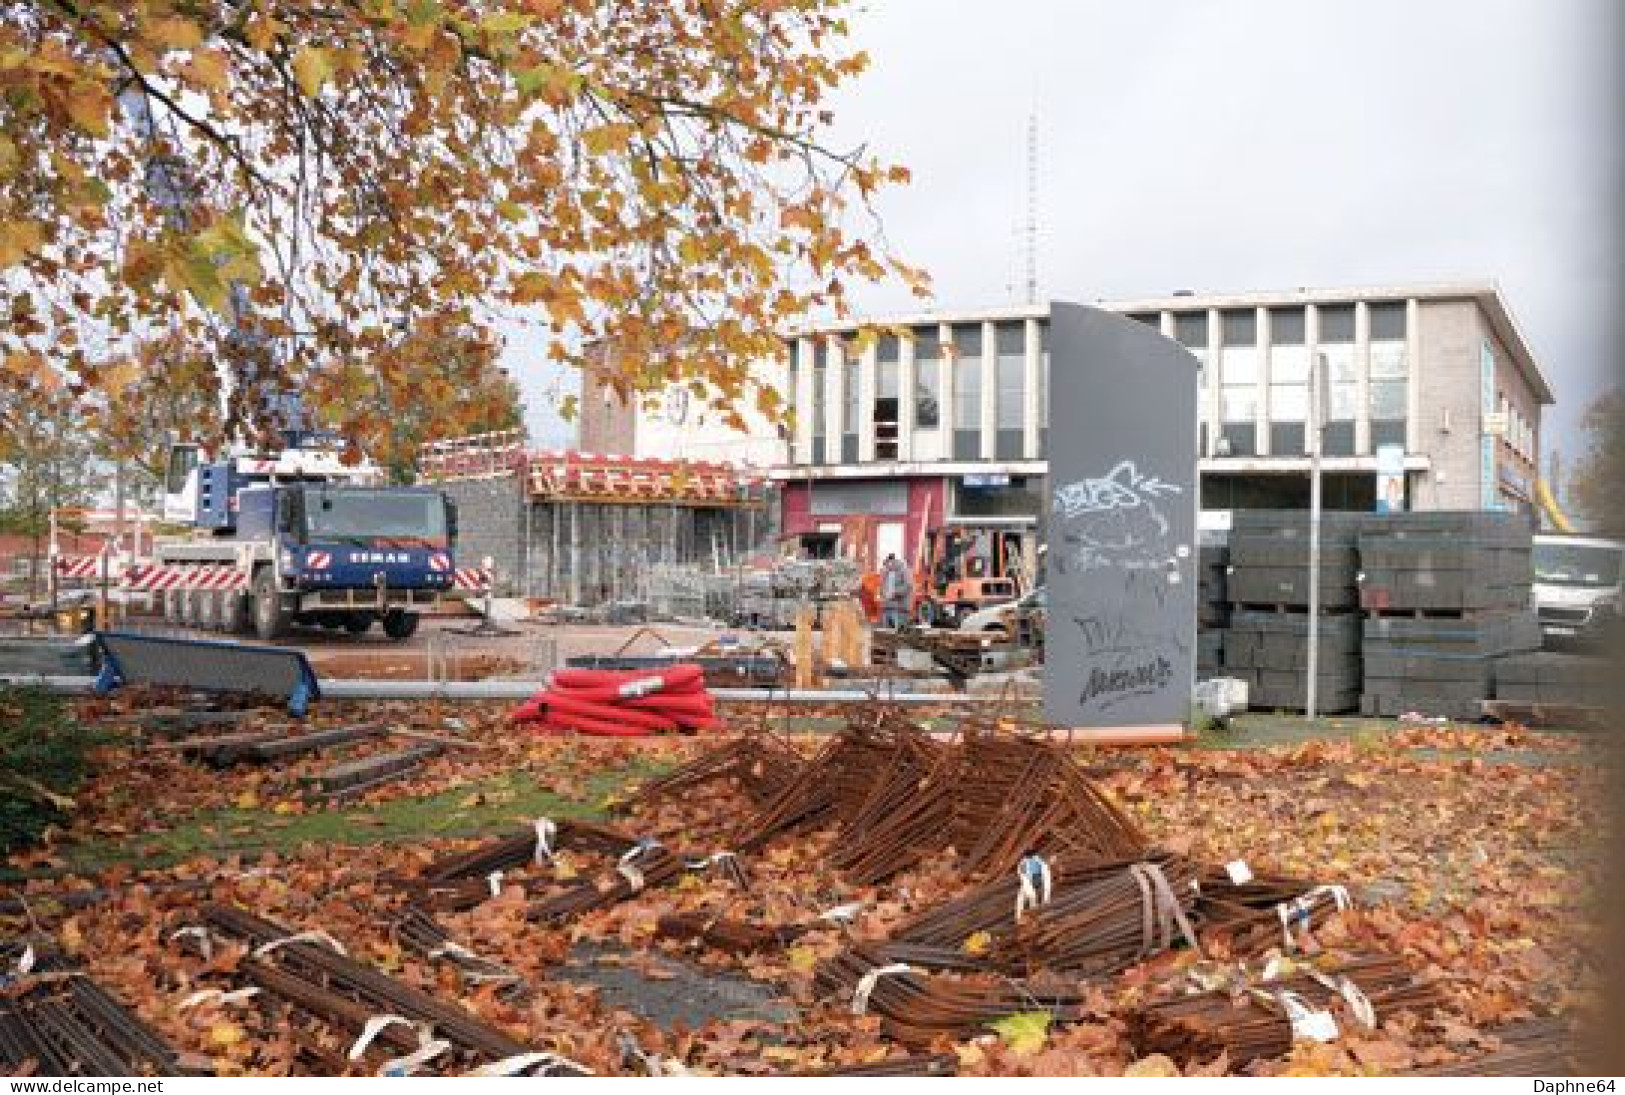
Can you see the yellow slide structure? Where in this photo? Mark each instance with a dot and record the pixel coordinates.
(1549, 506)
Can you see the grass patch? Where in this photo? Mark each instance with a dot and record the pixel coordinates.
(496, 805)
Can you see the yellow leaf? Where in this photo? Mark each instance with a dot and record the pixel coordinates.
(312, 68)
(17, 238)
(970, 1055)
(226, 1034)
(1024, 1032)
(284, 808)
(248, 800)
(605, 139)
(208, 68)
(977, 944)
(88, 107)
(564, 870)
(1154, 1065)
(802, 959)
(9, 157)
(174, 33)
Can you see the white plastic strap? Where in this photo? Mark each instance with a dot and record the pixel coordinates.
(1311, 1023)
(1338, 894)
(866, 984)
(1168, 908)
(317, 936)
(235, 997)
(449, 949)
(643, 686)
(494, 880)
(374, 1027)
(1359, 1004)
(25, 961)
(523, 1062)
(710, 861)
(429, 1047)
(546, 830)
(201, 934)
(1034, 884)
(1240, 874)
(633, 876)
(842, 914)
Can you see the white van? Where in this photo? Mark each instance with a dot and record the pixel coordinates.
(1577, 588)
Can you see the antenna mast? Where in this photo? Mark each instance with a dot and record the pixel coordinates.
(1031, 231)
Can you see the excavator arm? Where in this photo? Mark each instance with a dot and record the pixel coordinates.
(1548, 506)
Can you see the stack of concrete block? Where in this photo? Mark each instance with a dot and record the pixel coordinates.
(1445, 595)
(1445, 562)
(1269, 559)
(1556, 680)
(1212, 608)
(1270, 651)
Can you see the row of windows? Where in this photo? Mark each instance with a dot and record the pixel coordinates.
(1520, 432)
(1241, 396)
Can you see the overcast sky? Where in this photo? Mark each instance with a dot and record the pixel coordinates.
(1258, 144)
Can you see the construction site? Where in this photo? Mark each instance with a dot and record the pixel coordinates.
(508, 570)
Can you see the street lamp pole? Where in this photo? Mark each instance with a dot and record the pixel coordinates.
(1317, 397)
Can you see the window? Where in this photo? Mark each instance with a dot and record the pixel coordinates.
(1043, 389)
(1010, 378)
(792, 398)
(1342, 378)
(1150, 319)
(927, 380)
(1238, 382)
(1389, 371)
(967, 392)
(850, 364)
(820, 395)
(1289, 382)
(885, 408)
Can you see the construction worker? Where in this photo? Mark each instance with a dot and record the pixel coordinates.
(896, 590)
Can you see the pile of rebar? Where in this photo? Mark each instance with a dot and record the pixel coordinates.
(419, 932)
(727, 935)
(56, 1021)
(901, 798)
(915, 1007)
(760, 764)
(309, 973)
(645, 865)
(924, 1064)
(1263, 914)
(1260, 1019)
(531, 846)
(1534, 1047)
(1094, 920)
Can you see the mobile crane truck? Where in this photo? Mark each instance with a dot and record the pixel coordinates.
(299, 538)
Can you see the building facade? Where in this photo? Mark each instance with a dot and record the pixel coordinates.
(902, 424)
(920, 420)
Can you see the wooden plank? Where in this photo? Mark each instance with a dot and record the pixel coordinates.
(368, 772)
(281, 748)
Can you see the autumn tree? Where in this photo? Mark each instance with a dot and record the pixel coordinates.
(46, 464)
(289, 188)
(1598, 482)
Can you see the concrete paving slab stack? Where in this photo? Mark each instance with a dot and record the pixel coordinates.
(1267, 642)
(1561, 680)
(1212, 608)
(1445, 594)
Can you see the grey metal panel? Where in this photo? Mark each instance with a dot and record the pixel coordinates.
(1121, 636)
(837, 499)
(206, 665)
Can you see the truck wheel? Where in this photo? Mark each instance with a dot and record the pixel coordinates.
(172, 606)
(358, 623)
(270, 614)
(234, 616)
(189, 613)
(400, 625)
(208, 609)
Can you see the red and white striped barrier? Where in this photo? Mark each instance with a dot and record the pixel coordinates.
(79, 566)
(474, 578)
(198, 577)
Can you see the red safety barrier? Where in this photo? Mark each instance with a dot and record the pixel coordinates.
(621, 703)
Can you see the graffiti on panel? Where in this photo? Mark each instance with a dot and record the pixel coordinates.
(1115, 520)
(1116, 538)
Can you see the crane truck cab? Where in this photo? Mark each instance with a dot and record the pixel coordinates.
(302, 538)
(1578, 586)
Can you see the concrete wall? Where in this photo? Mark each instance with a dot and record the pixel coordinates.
(488, 513)
(607, 424)
(1450, 421)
